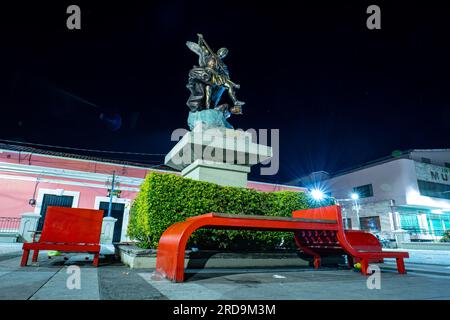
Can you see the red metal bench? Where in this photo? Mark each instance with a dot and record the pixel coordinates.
(318, 232)
(68, 230)
(359, 246)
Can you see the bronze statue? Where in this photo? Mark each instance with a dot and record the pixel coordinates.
(210, 79)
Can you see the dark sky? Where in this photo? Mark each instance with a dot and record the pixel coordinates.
(340, 94)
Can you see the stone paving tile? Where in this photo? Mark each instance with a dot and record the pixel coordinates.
(18, 285)
(56, 288)
(118, 282)
(9, 262)
(8, 256)
(114, 281)
(181, 291)
(303, 285)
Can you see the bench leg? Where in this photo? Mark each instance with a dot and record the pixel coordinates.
(401, 266)
(316, 262)
(95, 262)
(350, 261)
(24, 260)
(364, 266)
(35, 256)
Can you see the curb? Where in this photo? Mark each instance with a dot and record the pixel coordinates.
(137, 258)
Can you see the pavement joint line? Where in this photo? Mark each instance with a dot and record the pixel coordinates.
(54, 274)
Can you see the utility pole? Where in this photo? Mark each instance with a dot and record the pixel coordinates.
(111, 193)
(357, 207)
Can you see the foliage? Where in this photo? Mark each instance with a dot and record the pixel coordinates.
(166, 198)
(446, 237)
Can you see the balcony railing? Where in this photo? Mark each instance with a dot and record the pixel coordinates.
(9, 225)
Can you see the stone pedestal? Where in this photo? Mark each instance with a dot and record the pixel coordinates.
(107, 234)
(28, 224)
(219, 155)
(219, 173)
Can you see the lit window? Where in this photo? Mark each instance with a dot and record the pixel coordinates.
(364, 191)
(370, 223)
(433, 189)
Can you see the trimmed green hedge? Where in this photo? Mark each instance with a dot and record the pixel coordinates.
(166, 198)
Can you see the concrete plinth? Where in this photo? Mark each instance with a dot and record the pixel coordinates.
(28, 224)
(107, 230)
(219, 155)
(219, 173)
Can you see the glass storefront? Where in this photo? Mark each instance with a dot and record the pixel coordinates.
(409, 221)
(436, 223)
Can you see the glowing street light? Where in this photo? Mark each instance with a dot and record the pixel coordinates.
(317, 194)
(355, 196)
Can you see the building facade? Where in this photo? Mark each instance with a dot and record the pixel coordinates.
(32, 179)
(408, 191)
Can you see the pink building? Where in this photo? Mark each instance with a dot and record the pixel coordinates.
(32, 179)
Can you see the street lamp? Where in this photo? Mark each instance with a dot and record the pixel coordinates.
(317, 194)
(355, 198)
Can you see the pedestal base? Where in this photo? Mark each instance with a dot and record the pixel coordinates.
(28, 224)
(107, 230)
(224, 174)
(217, 155)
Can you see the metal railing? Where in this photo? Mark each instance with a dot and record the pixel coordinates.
(9, 224)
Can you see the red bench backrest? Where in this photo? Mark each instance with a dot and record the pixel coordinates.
(72, 225)
(359, 240)
(323, 213)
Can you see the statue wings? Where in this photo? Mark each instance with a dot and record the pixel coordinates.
(197, 49)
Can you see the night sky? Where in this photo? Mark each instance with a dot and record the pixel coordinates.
(340, 94)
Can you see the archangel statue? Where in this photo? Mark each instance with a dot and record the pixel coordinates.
(209, 80)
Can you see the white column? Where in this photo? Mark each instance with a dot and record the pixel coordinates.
(401, 236)
(423, 224)
(107, 230)
(397, 223)
(28, 224)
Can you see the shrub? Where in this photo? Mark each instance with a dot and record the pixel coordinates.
(166, 198)
(446, 236)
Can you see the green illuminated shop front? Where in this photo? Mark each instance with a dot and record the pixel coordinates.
(423, 224)
(433, 182)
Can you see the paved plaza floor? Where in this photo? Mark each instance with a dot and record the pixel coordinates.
(48, 280)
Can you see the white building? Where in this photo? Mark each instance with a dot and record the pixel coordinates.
(408, 190)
